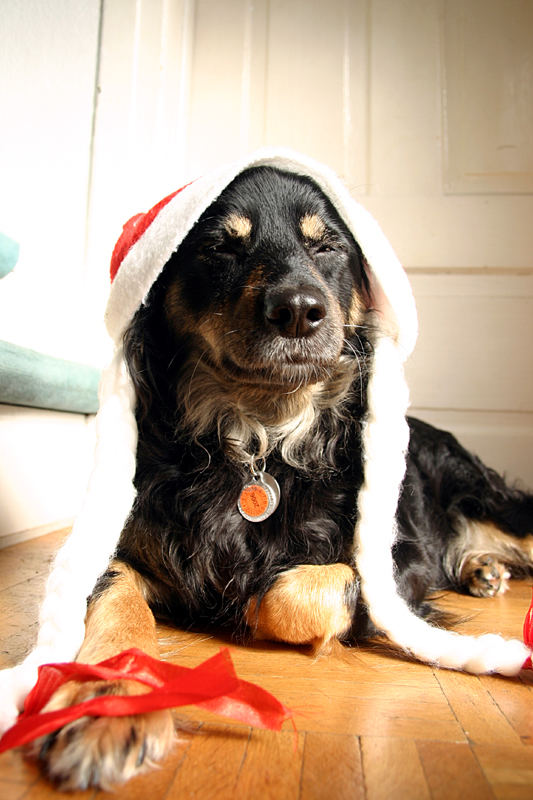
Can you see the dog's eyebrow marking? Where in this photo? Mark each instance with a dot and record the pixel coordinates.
(238, 225)
(312, 226)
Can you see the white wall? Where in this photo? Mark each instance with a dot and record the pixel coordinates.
(46, 457)
(48, 64)
(48, 68)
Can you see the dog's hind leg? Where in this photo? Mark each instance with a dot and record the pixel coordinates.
(102, 751)
(486, 525)
(494, 535)
(482, 557)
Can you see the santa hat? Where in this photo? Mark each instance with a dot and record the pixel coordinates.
(146, 244)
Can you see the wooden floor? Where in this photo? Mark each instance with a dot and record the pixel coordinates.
(369, 725)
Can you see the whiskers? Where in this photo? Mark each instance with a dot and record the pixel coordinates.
(360, 358)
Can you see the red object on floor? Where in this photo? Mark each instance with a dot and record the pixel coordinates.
(213, 685)
(528, 634)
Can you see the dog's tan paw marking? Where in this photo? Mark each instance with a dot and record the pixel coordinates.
(101, 751)
(487, 577)
(308, 604)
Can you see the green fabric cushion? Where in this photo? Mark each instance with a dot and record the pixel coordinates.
(9, 253)
(29, 378)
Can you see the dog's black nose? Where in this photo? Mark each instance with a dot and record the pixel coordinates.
(295, 312)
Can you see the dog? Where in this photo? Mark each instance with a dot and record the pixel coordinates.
(250, 361)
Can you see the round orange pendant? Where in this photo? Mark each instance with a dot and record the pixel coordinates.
(259, 498)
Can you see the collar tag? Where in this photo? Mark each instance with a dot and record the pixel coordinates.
(259, 498)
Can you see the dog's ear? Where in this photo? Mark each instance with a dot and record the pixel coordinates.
(147, 356)
(377, 301)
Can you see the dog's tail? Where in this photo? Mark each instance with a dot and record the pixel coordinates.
(385, 441)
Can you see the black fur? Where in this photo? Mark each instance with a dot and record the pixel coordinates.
(250, 320)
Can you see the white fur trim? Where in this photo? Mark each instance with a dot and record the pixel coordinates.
(385, 441)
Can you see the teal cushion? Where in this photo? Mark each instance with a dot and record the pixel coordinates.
(29, 378)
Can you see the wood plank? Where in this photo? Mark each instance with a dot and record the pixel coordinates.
(18, 628)
(509, 770)
(512, 791)
(212, 764)
(15, 769)
(29, 559)
(271, 767)
(363, 717)
(12, 791)
(392, 768)
(307, 683)
(452, 771)
(43, 790)
(481, 719)
(515, 700)
(332, 766)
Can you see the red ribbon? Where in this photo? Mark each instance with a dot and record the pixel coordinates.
(212, 685)
(528, 634)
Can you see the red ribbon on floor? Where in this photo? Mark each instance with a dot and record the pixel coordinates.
(213, 685)
(528, 634)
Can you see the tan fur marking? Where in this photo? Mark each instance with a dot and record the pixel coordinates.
(357, 309)
(238, 225)
(120, 618)
(312, 227)
(255, 281)
(209, 327)
(306, 605)
(104, 751)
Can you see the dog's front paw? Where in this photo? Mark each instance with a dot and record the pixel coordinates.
(101, 751)
(309, 604)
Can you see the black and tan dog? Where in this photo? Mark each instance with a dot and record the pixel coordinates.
(250, 361)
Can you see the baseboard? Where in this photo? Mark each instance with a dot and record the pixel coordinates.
(34, 533)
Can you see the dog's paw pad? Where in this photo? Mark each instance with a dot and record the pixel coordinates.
(487, 577)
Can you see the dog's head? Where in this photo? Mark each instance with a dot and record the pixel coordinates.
(269, 283)
(259, 321)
